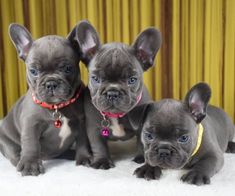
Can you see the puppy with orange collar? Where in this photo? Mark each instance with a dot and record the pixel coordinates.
(46, 121)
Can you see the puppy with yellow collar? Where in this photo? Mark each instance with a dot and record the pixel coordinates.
(186, 134)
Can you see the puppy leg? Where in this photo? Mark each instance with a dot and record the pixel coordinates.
(10, 149)
(204, 169)
(139, 158)
(30, 162)
(231, 147)
(83, 154)
(99, 148)
(101, 157)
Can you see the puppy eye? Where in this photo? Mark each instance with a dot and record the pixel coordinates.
(148, 136)
(68, 69)
(34, 72)
(95, 79)
(132, 80)
(183, 139)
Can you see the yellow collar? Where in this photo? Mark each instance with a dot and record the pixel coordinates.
(199, 139)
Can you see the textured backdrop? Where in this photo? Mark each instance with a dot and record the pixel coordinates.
(198, 41)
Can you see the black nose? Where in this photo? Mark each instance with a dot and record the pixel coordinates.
(163, 152)
(51, 85)
(113, 95)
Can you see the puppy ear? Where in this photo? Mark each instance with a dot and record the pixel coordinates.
(197, 100)
(87, 39)
(21, 38)
(146, 46)
(73, 40)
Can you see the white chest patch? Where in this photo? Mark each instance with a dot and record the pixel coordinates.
(117, 129)
(65, 131)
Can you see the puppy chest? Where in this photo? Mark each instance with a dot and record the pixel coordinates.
(65, 132)
(54, 139)
(116, 128)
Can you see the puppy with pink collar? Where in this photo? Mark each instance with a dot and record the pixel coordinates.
(115, 95)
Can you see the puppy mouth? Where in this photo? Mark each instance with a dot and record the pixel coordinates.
(172, 162)
(114, 110)
(164, 163)
(57, 96)
(52, 98)
(123, 105)
(110, 107)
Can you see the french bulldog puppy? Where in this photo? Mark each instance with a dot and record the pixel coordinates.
(189, 134)
(116, 89)
(46, 121)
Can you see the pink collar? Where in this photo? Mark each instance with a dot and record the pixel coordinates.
(119, 115)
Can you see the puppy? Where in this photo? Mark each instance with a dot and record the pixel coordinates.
(116, 89)
(50, 117)
(189, 134)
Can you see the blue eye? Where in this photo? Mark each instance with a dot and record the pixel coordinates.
(68, 69)
(183, 139)
(34, 72)
(95, 79)
(148, 136)
(132, 80)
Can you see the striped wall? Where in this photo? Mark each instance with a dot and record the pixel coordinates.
(198, 41)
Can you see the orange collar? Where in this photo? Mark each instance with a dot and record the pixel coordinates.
(56, 114)
(59, 105)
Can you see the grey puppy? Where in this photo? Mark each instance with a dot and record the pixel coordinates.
(189, 134)
(46, 121)
(116, 89)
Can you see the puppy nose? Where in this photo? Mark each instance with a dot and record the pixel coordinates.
(163, 152)
(51, 85)
(113, 95)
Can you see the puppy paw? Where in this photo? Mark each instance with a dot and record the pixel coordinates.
(83, 160)
(195, 177)
(139, 159)
(30, 167)
(148, 172)
(102, 164)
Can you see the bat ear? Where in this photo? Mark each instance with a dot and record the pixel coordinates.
(146, 46)
(197, 100)
(21, 38)
(87, 39)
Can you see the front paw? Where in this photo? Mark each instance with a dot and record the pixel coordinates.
(139, 159)
(195, 177)
(103, 163)
(83, 160)
(29, 167)
(148, 172)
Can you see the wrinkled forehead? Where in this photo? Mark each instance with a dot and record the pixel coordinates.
(115, 60)
(170, 115)
(50, 49)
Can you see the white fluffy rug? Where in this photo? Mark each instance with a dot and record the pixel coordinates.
(63, 178)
